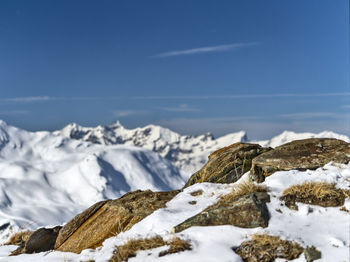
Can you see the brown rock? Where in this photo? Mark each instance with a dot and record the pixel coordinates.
(76, 222)
(301, 155)
(40, 240)
(227, 164)
(89, 230)
(248, 212)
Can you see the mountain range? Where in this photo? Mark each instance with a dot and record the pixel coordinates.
(188, 153)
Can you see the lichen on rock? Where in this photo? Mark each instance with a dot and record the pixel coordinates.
(300, 155)
(227, 164)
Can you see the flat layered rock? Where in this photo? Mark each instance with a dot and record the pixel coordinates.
(227, 164)
(300, 155)
(249, 211)
(108, 218)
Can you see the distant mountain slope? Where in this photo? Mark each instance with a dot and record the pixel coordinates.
(49, 178)
(186, 152)
(288, 136)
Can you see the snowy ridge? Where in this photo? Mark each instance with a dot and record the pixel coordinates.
(189, 153)
(47, 179)
(186, 152)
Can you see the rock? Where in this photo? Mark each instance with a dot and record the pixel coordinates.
(76, 222)
(267, 248)
(312, 254)
(108, 218)
(301, 155)
(227, 164)
(248, 212)
(40, 240)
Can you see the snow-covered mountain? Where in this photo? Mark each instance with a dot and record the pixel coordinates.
(288, 136)
(45, 178)
(189, 153)
(186, 152)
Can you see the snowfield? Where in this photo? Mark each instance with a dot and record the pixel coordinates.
(325, 228)
(47, 178)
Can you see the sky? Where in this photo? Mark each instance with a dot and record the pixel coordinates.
(193, 66)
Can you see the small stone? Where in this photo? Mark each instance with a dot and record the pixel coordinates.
(197, 192)
(312, 254)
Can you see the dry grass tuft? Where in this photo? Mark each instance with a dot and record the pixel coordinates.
(242, 189)
(19, 238)
(266, 248)
(316, 193)
(128, 250)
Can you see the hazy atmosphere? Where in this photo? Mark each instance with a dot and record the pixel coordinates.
(191, 66)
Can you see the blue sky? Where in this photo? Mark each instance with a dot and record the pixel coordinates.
(193, 66)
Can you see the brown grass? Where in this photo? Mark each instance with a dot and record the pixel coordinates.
(19, 238)
(128, 250)
(242, 189)
(315, 193)
(266, 248)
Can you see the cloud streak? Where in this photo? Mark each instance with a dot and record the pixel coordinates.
(207, 97)
(126, 113)
(310, 115)
(207, 49)
(25, 99)
(180, 108)
(14, 113)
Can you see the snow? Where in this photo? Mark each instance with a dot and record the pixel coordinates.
(325, 228)
(189, 153)
(46, 179)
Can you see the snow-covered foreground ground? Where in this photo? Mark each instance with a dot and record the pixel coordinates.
(325, 228)
(47, 179)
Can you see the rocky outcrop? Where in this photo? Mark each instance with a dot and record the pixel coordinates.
(40, 240)
(248, 212)
(108, 218)
(227, 164)
(301, 155)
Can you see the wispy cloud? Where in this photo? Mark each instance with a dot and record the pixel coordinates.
(125, 113)
(180, 108)
(25, 99)
(204, 97)
(346, 106)
(207, 49)
(308, 115)
(14, 113)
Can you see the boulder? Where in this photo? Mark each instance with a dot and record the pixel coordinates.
(40, 240)
(248, 211)
(227, 164)
(108, 218)
(301, 155)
